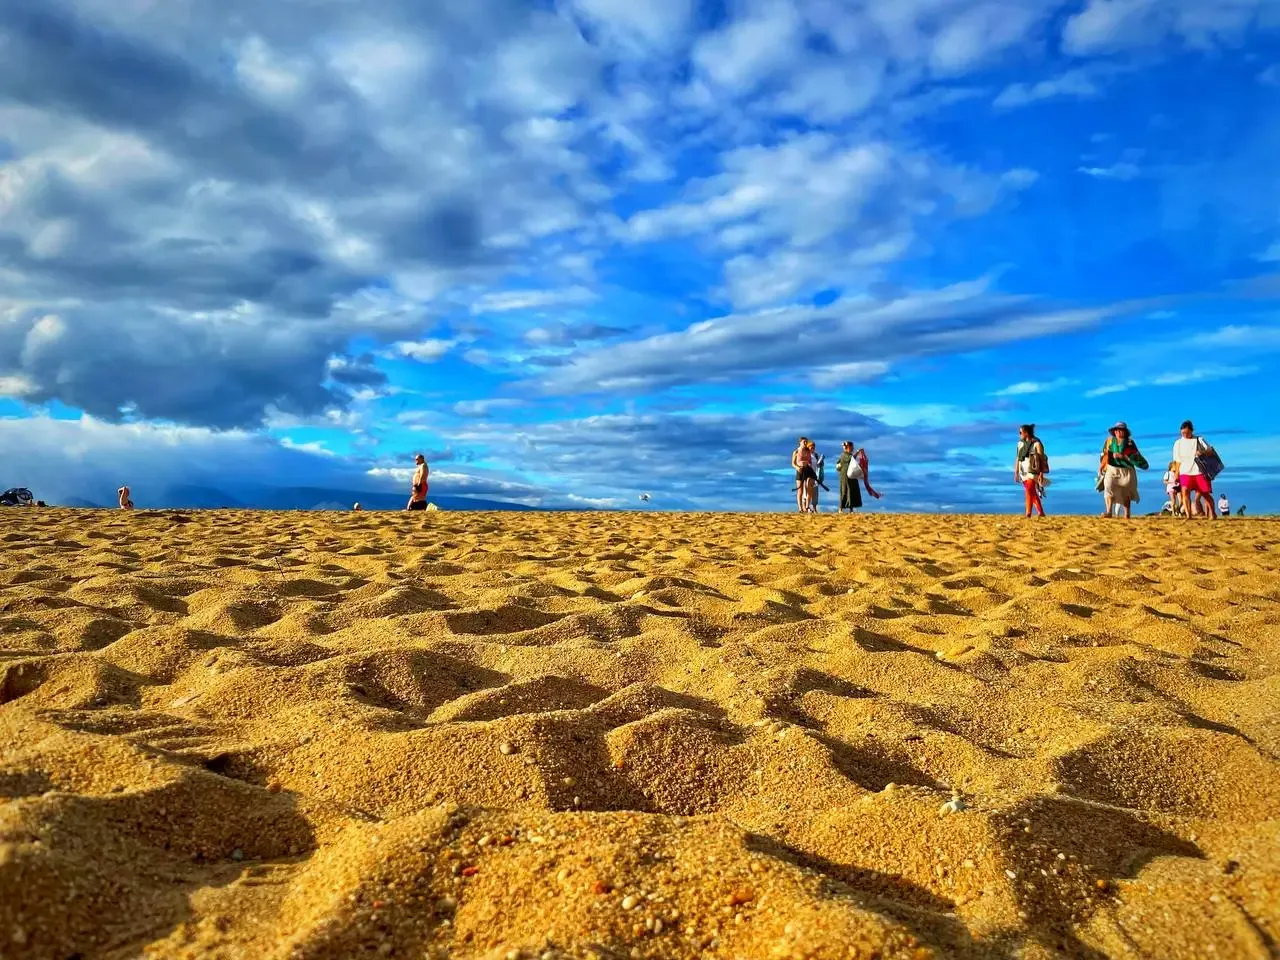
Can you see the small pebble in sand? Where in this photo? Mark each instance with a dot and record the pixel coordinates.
(740, 896)
(955, 805)
(506, 749)
(630, 902)
(237, 854)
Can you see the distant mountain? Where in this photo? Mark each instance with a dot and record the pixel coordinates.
(199, 497)
(193, 497)
(203, 497)
(321, 498)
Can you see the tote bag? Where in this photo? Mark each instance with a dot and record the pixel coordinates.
(1207, 460)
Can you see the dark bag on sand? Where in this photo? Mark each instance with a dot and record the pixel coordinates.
(1208, 461)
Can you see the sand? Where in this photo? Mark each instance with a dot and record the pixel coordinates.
(269, 735)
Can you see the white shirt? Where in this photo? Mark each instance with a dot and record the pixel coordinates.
(1185, 450)
(1024, 465)
(1223, 505)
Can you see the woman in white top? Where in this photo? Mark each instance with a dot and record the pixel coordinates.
(1197, 489)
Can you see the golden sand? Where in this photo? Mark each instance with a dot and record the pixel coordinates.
(318, 736)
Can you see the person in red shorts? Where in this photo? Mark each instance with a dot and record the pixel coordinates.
(1197, 489)
(418, 487)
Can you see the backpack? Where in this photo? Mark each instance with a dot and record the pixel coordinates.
(1039, 460)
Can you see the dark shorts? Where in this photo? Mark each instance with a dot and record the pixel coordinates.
(418, 505)
(806, 473)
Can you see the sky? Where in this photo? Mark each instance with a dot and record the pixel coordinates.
(579, 250)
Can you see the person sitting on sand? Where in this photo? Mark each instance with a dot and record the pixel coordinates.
(1224, 506)
(1029, 468)
(418, 491)
(1119, 467)
(357, 506)
(123, 497)
(806, 477)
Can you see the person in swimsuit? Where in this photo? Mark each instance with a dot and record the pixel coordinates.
(123, 496)
(418, 492)
(806, 477)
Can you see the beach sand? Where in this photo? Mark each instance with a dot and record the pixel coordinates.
(269, 735)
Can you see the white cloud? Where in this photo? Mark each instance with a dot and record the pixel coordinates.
(1080, 84)
(654, 24)
(425, 351)
(1117, 171)
(88, 458)
(484, 408)
(1240, 337)
(979, 32)
(512, 300)
(814, 209)
(1271, 254)
(748, 50)
(1028, 387)
(842, 374)
(960, 318)
(1271, 76)
(16, 387)
(1174, 379)
(1105, 26)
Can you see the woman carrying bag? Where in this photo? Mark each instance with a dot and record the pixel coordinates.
(1118, 470)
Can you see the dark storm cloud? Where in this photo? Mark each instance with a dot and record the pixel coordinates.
(58, 61)
(195, 198)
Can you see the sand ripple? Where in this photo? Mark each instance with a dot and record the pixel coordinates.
(481, 736)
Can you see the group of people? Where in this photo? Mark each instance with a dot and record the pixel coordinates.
(852, 466)
(1188, 480)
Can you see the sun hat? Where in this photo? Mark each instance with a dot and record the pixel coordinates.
(1119, 425)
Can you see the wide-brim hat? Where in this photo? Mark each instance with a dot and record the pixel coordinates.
(1120, 425)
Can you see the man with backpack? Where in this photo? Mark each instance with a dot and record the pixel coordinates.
(1030, 467)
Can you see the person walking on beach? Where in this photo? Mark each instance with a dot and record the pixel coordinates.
(418, 491)
(126, 502)
(1029, 468)
(1119, 468)
(1173, 487)
(819, 475)
(850, 495)
(806, 478)
(1197, 489)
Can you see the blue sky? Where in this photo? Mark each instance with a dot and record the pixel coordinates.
(575, 251)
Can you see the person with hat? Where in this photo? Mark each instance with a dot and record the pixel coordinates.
(418, 492)
(1118, 469)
